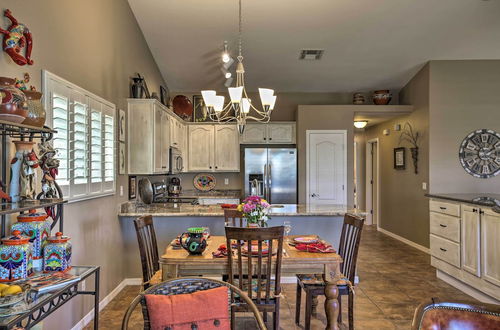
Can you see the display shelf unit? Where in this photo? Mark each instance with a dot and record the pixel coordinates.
(45, 304)
(24, 133)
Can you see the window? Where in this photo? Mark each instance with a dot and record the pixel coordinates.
(85, 138)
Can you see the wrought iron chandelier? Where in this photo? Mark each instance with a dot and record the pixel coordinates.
(241, 108)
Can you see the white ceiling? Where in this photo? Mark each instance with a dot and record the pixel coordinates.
(368, 44)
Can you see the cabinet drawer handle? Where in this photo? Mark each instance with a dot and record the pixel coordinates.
(215, 167)
(265, 139)
(481, 212)
(444, 226)
(444, 250)
(442, 208)
(270, 139)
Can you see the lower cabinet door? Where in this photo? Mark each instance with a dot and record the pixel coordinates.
(471, 247)
(490, 244)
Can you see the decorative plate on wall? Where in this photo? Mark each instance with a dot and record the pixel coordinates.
(480, 153)
(204, 182)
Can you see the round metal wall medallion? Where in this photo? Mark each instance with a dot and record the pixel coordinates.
(480, 153)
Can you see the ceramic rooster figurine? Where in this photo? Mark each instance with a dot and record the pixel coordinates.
(16, 37)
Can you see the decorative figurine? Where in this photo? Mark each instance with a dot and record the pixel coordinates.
(16, 37)
(15, 258)
(49, 166)
(57, 253)
(21, 83)
(37, 228)
(30, 162)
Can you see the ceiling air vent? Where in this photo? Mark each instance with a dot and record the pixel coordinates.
(311, 54)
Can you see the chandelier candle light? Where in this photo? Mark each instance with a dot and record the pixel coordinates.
(240, 102)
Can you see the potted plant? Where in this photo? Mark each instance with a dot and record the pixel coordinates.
(255, 210)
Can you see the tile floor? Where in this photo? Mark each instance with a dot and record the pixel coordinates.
(394, 279)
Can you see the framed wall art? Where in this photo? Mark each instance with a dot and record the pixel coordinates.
(400, 158)
(132, 185)
(200, 114)
(121, 125)
(164, 95)
(121, 159)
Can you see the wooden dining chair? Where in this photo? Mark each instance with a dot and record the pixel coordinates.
(146, 237)
(313, 284)
(253, 274)
(233, 217)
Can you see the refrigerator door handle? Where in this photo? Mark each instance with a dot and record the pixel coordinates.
(265, 181)
(269, 175)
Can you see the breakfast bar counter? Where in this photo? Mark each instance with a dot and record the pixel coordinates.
(136, 209)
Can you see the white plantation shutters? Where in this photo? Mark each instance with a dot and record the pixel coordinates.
(85, 138)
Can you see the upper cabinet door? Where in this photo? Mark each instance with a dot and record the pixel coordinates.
(201, 147)
(490, 232)
(159, 145)
(471, 255)
(281, 133)
(254, 134)
(165, 140)
(227, 148)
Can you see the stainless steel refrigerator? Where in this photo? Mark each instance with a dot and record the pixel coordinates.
(272, 174)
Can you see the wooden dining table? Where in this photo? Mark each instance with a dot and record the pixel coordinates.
(179, 263)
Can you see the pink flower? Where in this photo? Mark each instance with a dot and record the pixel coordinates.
(265, 205)
(247, 208)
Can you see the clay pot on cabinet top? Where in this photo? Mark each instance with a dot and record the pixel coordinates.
(382, 97)
(14, 107)
(36, 112)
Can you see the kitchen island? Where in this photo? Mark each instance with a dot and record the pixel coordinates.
(323, 220)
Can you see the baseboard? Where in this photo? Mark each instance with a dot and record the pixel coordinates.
(90, 315)
(404, 240)
(466, 288)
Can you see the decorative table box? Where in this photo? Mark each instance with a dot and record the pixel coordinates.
(15, 257)
(57, 253)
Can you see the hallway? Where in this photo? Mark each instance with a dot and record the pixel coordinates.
(394, 279)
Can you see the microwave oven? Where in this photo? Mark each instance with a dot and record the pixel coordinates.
(176, 163)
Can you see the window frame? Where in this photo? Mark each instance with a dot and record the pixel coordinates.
(51, 84)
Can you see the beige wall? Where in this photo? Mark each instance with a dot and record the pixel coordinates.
(97, 45)
(403, 207)
(324, 117)
(464, 97)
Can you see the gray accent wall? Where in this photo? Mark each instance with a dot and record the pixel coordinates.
(404, 210)
(97, 45)
(465, 96)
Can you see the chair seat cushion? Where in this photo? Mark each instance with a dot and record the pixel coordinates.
(317, 279)
(208, 309)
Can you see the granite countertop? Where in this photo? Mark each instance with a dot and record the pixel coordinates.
(136, 209)
(210, 194)
(491, 200)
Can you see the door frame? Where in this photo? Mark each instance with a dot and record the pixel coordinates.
(368, 190)
(344, 165)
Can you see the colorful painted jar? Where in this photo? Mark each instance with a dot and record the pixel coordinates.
(15, 257)
(35, 226)
(194, 240)
(57, 253)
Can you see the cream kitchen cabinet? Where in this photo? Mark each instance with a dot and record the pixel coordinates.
(464, 244)
(227, 148)
(177, 128)
(271, 133)
(490, 246)
(148, 137)
(281, 133)
(471, 238)
(200, 148)
(213, 148)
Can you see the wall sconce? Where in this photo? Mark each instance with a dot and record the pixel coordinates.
(386, 132)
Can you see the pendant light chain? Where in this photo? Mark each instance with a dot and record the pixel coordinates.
(241, 107)
(240, 29)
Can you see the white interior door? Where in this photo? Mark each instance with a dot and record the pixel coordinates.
(326, 167)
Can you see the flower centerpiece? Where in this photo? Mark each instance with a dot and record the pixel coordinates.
(255, 210)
